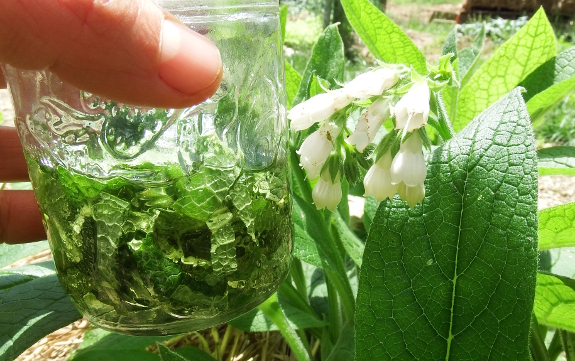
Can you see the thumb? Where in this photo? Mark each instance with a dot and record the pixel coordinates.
(127, 50)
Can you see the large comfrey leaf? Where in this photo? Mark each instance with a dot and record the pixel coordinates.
(31, 310)
(454, 279)
(10, 253)
(530, 47)
(385, 40)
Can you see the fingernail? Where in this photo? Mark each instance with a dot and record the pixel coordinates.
(189, 62)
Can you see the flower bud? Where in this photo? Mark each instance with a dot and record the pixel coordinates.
(408, 166)
(368, 124)
(412, 195)
(377, 181)
(372, 83)
(317, 108)
(316, 148)
(327, 193)
(412, 111)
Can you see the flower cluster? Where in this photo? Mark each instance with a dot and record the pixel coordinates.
(401, 171)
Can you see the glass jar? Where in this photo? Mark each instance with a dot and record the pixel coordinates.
(168, 221)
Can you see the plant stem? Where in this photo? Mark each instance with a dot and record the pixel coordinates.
(299, 176)
(353, 246)
(334, 311)
(555, 347)
(568, 340)
(298, 277)
(272, 310)
(536, 342)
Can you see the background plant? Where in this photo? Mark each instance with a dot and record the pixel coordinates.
(454, 278)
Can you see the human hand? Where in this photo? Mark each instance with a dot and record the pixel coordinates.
(127, 50)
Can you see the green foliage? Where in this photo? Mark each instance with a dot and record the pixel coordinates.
(12, 253)
(557, 227)
(450, 265)
(385, 40)
(31, 308)
(453, 278)
(532, 46)
(555, 301)
(327, 61)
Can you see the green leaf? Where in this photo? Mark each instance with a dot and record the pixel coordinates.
(194, 354)
(168, 355)
(344, 348)
(385, 40)
(547, 99)
(353, 246)
(555, 301)
(554, 71)
(283, 21)
(450, 45)
(10, 253)
(256, 321)
(530, 47)
(557, 227)
(99, 339)
(369, 209)
(327, 61)
(557, 160)
(117, 355)
(454, 279)
(304, 246)
(292, 83)
(467, 58)
(30, 311)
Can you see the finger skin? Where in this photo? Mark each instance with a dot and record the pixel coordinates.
(20, 218)
(108, 47)
(12, 163)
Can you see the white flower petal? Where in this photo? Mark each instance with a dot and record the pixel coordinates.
(412, 195)
(412, 110)
(409, 166)
(316, 148)
(368, 124)
(313, 110)
(377, 181)
(372, 83)
(325, 193)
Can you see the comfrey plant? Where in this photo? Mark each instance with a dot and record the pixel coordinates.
(399, 165)
(451, 260)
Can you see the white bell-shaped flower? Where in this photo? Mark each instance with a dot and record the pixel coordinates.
(317, 108)
(377, 181)
(412, 110)
(316, 148)
(372, 83)
(369, 123)
(412, 195)
(408, 166)
(327, 193)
